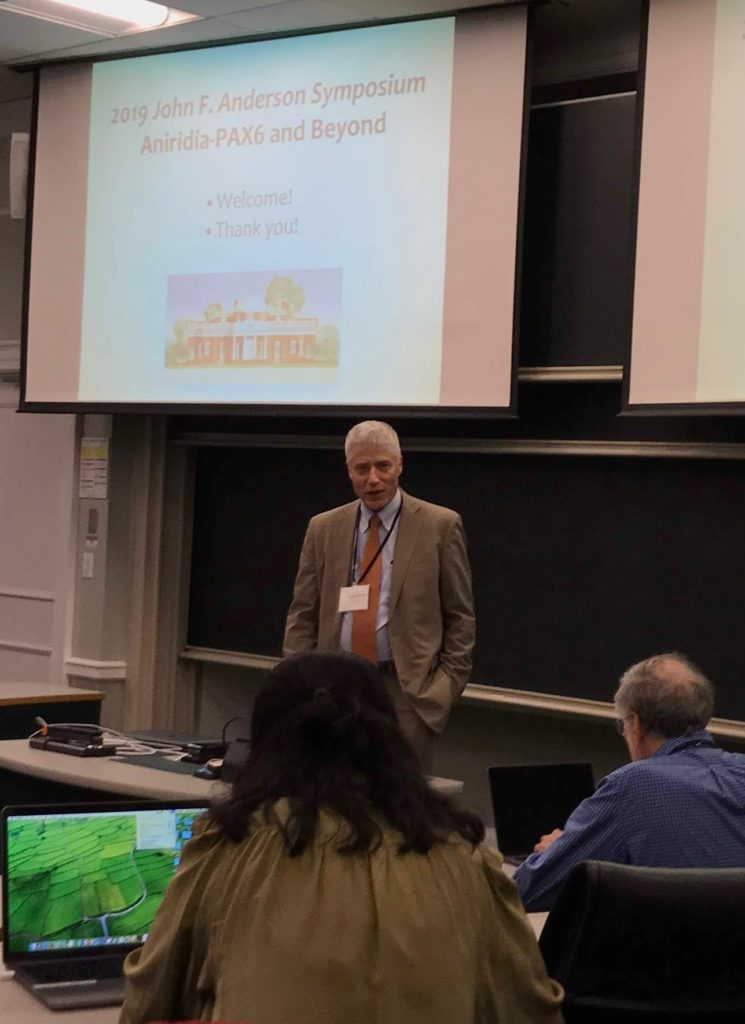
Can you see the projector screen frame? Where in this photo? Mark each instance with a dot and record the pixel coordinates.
(274, 410)
(661, 409)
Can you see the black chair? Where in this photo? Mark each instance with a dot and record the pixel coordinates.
(642, 945)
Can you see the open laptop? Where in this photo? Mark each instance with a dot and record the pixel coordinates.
(532, 800)
(81, 886)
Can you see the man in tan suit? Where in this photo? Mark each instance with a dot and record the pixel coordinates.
(402, 562)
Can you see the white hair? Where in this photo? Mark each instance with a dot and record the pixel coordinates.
(372, 434)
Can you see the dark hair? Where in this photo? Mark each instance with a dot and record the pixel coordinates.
(669, 693)
(324, 734)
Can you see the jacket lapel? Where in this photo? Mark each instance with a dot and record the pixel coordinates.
(339, 546)
(408, 530)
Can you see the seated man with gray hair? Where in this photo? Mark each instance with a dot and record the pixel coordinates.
(679, 804)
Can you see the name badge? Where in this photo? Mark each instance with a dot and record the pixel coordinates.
(354, 599)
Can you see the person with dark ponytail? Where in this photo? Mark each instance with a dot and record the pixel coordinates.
(333, 885)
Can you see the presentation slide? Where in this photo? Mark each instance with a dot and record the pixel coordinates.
(317, 220)
(689, 302)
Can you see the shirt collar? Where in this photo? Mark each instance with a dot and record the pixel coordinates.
(698, 737)
(386, 514)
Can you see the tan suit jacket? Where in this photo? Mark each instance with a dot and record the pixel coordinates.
(431, 620)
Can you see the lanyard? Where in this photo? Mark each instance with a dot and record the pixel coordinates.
(382, 544)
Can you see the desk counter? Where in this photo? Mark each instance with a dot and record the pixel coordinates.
(21, 702)
(117, 777)
(17, 1006)
(101, 774)
(538, 917)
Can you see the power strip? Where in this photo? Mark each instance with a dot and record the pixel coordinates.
(76, 749)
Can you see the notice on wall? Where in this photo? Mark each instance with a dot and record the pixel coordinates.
(94, 467)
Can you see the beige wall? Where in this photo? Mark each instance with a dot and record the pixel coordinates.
(52, 627)
(37, 454)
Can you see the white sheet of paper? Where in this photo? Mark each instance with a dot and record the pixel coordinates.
(354, 599)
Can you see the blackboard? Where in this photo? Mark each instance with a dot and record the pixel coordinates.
(582, 564)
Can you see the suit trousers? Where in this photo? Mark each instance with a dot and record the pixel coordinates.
(419, 735)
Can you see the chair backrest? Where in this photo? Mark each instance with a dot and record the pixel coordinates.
(662, 944)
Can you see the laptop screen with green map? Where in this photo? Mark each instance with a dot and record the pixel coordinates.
(87, 879)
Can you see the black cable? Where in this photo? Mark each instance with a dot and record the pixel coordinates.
(235, 718)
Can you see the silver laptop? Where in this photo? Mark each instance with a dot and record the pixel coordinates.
(81, 886)
(532, 800)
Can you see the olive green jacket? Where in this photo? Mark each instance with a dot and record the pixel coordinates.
(247, 933)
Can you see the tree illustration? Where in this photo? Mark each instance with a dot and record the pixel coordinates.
(284, 295)
(327, 343)
(213, 311)
(177, 350)
(180, 329)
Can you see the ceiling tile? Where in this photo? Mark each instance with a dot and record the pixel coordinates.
(180, 35)
(288, 17)
(369, 10)
(20, 35)
(217, 8)
(31, 41)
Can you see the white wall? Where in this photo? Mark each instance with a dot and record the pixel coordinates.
(37, 454)
(37, 458)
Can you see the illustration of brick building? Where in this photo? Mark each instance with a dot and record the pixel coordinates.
(251, 338)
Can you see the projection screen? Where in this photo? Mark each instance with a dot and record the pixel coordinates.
(687, 348)
(324, 220)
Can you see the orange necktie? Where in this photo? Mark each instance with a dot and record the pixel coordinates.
(363, 622)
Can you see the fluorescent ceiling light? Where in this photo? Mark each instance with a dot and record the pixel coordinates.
(104, 17)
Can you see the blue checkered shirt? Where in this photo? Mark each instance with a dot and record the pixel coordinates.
(684, 807)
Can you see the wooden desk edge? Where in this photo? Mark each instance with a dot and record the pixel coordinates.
(53, 698)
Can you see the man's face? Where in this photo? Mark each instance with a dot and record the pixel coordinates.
(374, 473)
